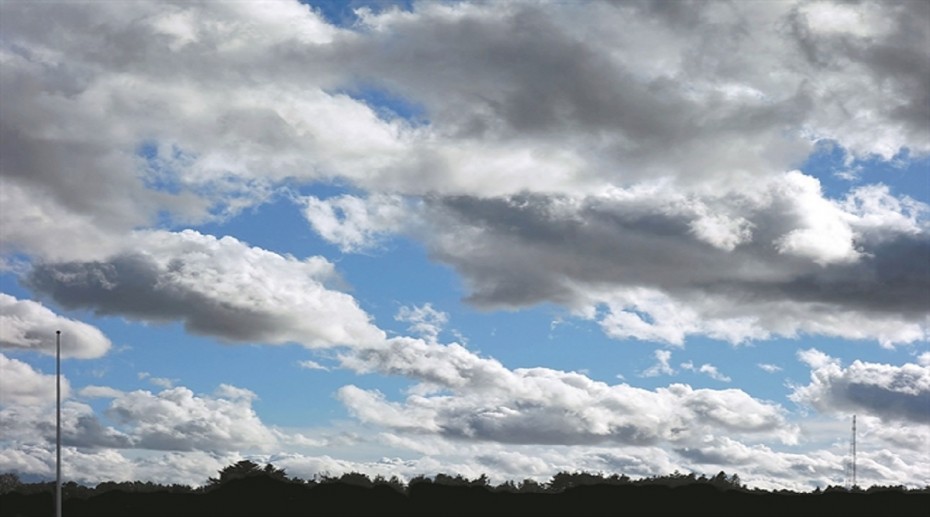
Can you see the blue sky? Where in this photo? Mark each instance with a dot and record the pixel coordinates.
(494, 238)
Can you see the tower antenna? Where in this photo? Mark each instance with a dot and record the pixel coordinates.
(851, 481)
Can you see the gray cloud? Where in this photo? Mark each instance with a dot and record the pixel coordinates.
(80, 428)
(764, 250)
(28, 325)
(217, 287)
(892, 393)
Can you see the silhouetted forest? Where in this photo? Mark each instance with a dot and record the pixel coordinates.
(249, 489)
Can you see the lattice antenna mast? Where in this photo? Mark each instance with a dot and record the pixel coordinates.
(850, 461)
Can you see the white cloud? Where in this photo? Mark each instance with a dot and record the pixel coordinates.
(25, 424)
(424, 320)
(769, 368)
(817, 359)
(21, 384)
(106, 392)
(352, 223)
(162, 382)
(177, 419)
(431, 363)
(29, 325)
(312, 365)
(822, 233)
(661, 367)
(892, 393)
(875, 213)
(219, 287)
(924, 359)
(464, 396)
(708, 369)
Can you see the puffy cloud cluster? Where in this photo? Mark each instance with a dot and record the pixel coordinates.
(353, 223)
(80, 426)
(804, 264)
(177, 419)
(218, 287)
(22, 385)
(892, 393)
(465, 396)
(28, 325)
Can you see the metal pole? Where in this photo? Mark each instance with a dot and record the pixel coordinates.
(854, 451)
(57, 423)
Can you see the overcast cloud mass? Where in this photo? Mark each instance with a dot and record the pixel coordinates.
(732, 195)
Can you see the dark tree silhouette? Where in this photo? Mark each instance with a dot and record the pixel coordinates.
(244, 469)
(249, 489)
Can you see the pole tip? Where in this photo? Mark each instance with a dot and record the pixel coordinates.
(58, 332)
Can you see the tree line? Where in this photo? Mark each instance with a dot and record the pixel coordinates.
(248, 488)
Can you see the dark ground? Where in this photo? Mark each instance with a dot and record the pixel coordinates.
(264, 496)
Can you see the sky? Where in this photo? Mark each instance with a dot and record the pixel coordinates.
(504, 238)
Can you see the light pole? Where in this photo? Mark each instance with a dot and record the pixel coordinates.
(57, 423)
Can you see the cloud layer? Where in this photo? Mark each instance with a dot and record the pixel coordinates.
(636, 163)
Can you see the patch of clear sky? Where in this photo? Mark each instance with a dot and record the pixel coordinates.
(905, 174)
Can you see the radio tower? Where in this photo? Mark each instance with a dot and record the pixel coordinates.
(851, 466)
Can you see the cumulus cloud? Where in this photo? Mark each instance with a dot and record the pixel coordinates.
(80, 426)
(177, 419)
(218, 287)
(27, 416)
(352, 223)
(467, 397)
(29, 325)
(634, 253)
(892, 393)
(22, 385)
